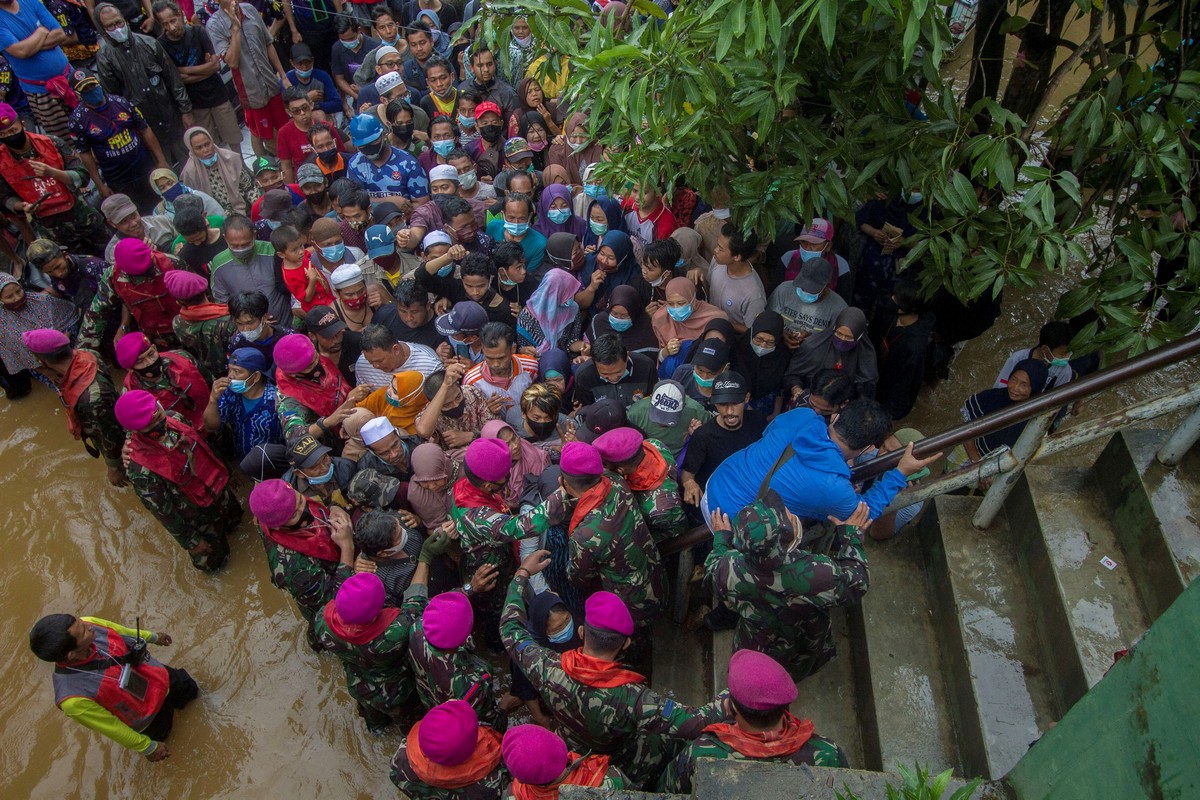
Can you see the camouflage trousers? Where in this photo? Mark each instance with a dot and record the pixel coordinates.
(803, 646)
(192, 526)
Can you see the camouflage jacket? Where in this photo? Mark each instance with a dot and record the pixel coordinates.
(487, 535)
(677, 778)
(378, 672)
(611, 549)
(310, 581)
(105, 304)
(662, 507)
(640, 728)
(207, 341)
(406, 780)
(444, 675)
(99, 427)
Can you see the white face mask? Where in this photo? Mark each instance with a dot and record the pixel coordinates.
(120, 34)
(721, 213)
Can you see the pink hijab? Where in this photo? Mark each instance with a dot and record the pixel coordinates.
(532, 461)
(430, 463)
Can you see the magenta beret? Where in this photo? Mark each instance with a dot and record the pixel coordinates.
(129, 348)
(45, 340)
(183, 284)
(581, 460)
(7, 115)
(273, 502)
(619, 444)
(294, 353)
(135, 409)
(132, 256)
(489, 459)
(607, 611)
(449, 733)
(360, 598)
(534, 754)
(759, 682)
(448, 620)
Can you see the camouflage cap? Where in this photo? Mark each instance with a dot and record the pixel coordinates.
(371, 489)
(763, 527)
(42, 251)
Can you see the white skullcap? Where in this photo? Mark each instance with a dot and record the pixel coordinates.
(434, 238)
(346, 275)
(375, 430)
(443, 172)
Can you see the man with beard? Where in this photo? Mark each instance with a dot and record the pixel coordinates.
(733, 428)
(389, 452)
(333, 339)
(179, 479)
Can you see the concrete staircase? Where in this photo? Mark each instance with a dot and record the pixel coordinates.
(971, 644)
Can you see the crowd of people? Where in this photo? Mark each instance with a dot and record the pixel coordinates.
(477, 392)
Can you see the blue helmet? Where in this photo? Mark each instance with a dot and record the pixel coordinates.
(364, 129)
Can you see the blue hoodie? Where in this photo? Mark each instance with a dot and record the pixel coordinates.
(814, 483)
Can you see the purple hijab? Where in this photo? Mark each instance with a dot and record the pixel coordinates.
(574, 225)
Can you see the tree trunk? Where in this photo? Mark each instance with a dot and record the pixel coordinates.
(987, 55)
(1040, 41)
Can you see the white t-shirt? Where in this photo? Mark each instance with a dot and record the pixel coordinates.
(742, 298)
(420, 359)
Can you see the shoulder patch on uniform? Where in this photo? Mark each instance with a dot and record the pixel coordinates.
(667, 708)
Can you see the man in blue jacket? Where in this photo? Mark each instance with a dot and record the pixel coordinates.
(814, 481)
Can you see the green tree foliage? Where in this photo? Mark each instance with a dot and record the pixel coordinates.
(797, 108)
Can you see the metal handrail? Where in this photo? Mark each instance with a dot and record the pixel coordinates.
(1056, 398)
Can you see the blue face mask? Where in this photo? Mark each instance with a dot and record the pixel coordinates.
(598, 228)
(914, 197)
(93, 97)
(443, 147)
(704, 383)
(619, 325)
(516, 228)
(304, 74)
(210, 161)
(351, 44)
(679, 313)
(274, 224)
(559, 215)
(466, 122)
(238, 386)
(317, 481)
(175, 192)
(461, 349)
(563, 636)
(809, 255)
(445, 271)
(334, 252)
(805, 297)
(592, 190)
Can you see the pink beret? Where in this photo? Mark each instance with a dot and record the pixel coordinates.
(449, 733)
(534, 754)
(489, 459)
(132, 256)
(294, 353)
(183, 284)
(45, 340)
(606, 610)
(129, 348)
(759, 682)
(581, 460)
(448, 620)
(7, 115)
(360, 598)
(135, 409)
(619, 444)
(273, 502)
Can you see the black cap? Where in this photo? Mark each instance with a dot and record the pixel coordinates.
(729, 387)
(712, 354)
(385, 212)
(600, 417)
(323, 321)
(301, 52)
(306, 452)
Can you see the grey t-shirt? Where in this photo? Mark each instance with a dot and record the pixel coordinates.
(742, 299)
(800, 316)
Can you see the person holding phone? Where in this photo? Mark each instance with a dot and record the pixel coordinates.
(105, 680)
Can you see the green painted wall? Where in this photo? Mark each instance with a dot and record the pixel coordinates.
(1136, 734)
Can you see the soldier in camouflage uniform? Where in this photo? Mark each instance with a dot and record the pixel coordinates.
(486, 531)
(310, 549)
(134, 286)
(372, 641)
(540, 762)
(444, 660)
(598, 706)
(764, 729)
(179, 479)
(449, 756)
(782, 592)
(86, 392)
(74, 277)
(610, 546)
(649, 471)
(202, 327)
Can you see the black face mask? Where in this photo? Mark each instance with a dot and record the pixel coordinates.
(158, 430)
(376, 149)
(313, 375)
(490, 133)
(329, 157)
(318, 198)
(457, 411)
(540, 430)
(306, 519)
(153, 371)
(403, 131)
(15, 141)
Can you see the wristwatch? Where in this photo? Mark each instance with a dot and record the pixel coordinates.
(467, 590)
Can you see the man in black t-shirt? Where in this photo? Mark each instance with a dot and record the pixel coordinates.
(410, 318)
(733, 428)
(201, 242)
(614, 373)
(189, 47)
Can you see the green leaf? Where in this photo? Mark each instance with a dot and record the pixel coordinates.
(828, 22)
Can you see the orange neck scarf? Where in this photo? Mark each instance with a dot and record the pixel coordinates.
(79, 377)
(596, 672)
(589, 772)
(592, 499)
(771, 744)
(651, 472)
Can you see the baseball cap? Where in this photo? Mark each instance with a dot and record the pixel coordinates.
(600, 417)
(514, 149)
(322, 321)
(117, 207)
(264, 164)
(385, 212)
(306, 452)
(309, 173)
(301, 52)
(41, 252)
(729, 387)
(82, 80)
(814, 275)
(385, 83)
(466, 316)
(380, 241)
(818, 231)
(666, 403)
(713, 354)
(485, 107)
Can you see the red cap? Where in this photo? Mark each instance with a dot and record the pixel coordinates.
(486, 106)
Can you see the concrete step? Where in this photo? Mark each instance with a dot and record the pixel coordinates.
(1087, 611)
(906, 704)
(728, 779)
(985, 623)
(682, 663)
(1156, 511)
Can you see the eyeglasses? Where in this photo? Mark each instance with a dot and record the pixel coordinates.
(296, 111)
(390, 63)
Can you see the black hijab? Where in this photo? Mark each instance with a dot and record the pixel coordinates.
(765, 373)
(989, 401)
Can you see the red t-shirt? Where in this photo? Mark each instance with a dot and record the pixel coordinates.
(297, 283)
(293, 145)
